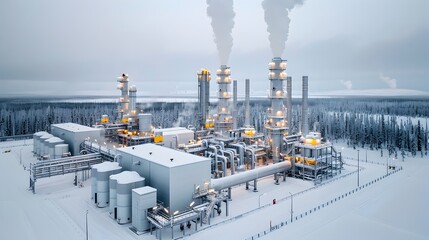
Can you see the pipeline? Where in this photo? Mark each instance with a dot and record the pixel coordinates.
(236, 179)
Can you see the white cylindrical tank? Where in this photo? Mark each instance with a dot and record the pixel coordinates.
(145, 122)
(60, 149)
(103, 172)
(112, 195)
(126, 182)
(41, 150)
(36, 137)
(51, 143)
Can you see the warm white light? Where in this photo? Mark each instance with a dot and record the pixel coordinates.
(192, 204)
(176, 212)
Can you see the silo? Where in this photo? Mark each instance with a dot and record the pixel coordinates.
(126, 181)
(51, 143)
(112, 195)
(142, 199)
(36, 137)
(145, 122)
(41, 149)
(100, 191)
(60, 149)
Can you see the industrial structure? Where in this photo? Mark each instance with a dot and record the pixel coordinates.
(162, 178)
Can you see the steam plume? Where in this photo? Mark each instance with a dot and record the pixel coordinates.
(391, 82)
(222, 14)
(276, 14)
(347, 83)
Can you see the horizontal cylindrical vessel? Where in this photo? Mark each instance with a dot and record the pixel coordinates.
(232, 180)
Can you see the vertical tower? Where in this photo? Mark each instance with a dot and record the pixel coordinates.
(223, 121)
(289, 102)
(247, 104)
(203, 96)
(304, 110)
(124, 99)
(234, 103)
(133, 101)
(276, 114)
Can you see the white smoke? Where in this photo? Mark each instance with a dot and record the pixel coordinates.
(276, 14)
(391, 82)
(222, 14)
(347, 83)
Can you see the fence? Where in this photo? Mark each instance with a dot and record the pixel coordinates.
(320, 206)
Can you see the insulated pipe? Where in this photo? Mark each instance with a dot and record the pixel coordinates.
(289, 103)
(247, 104)
(240, 151)
(236, 179)
(231, 159)
(234, 104)
(225, 161)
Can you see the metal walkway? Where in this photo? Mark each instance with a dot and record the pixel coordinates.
(61, 166)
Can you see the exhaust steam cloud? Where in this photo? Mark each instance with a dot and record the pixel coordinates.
(276, 14)
(222, 14)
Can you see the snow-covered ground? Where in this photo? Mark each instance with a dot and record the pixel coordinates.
(393, 207)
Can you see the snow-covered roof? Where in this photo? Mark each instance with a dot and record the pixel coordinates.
(54, 140)
(73, 127)
(162, 155)
(126, 177)
(106, 166)
(144, 190)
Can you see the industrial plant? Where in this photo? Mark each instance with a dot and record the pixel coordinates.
(162, 178)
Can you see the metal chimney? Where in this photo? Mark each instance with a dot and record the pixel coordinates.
(247, 104)
(124, 99)
(276, 114)
(234, 103)
(223, 120)
(133, 101)
(304, 111)
(289, 103)
(203, 96)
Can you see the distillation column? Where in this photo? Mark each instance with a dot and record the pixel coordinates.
(276, 124)
(203, 96)
(223, 121)
(247, 104)
(124, 99)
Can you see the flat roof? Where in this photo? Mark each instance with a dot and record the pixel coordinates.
(162, 155)
(73, 127)
(144, 190)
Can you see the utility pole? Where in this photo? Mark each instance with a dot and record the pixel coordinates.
(86, 223)
(291, 207)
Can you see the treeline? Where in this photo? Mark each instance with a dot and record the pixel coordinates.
(373, 123)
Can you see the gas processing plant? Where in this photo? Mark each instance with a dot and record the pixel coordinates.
(158, 179)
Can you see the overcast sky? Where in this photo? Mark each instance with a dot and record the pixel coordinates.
(80, 47)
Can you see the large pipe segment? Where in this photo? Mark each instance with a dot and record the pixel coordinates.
(236, 179)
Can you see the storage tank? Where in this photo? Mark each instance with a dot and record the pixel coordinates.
(36, 137)
(51, 143)
(126, 181)
(101, 185)
(142, 199)
(41, 149)
(112, 196)
(60, 149)
(145, 122)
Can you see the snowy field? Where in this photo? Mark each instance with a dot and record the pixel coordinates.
(395, 207)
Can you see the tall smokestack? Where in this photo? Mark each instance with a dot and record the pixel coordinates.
(304, 111)
(289, 102)
(203, 96)
(133, 101)
(223, 121)
(247, 104)
(234, 103)
(124, 99)
(276, 114)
